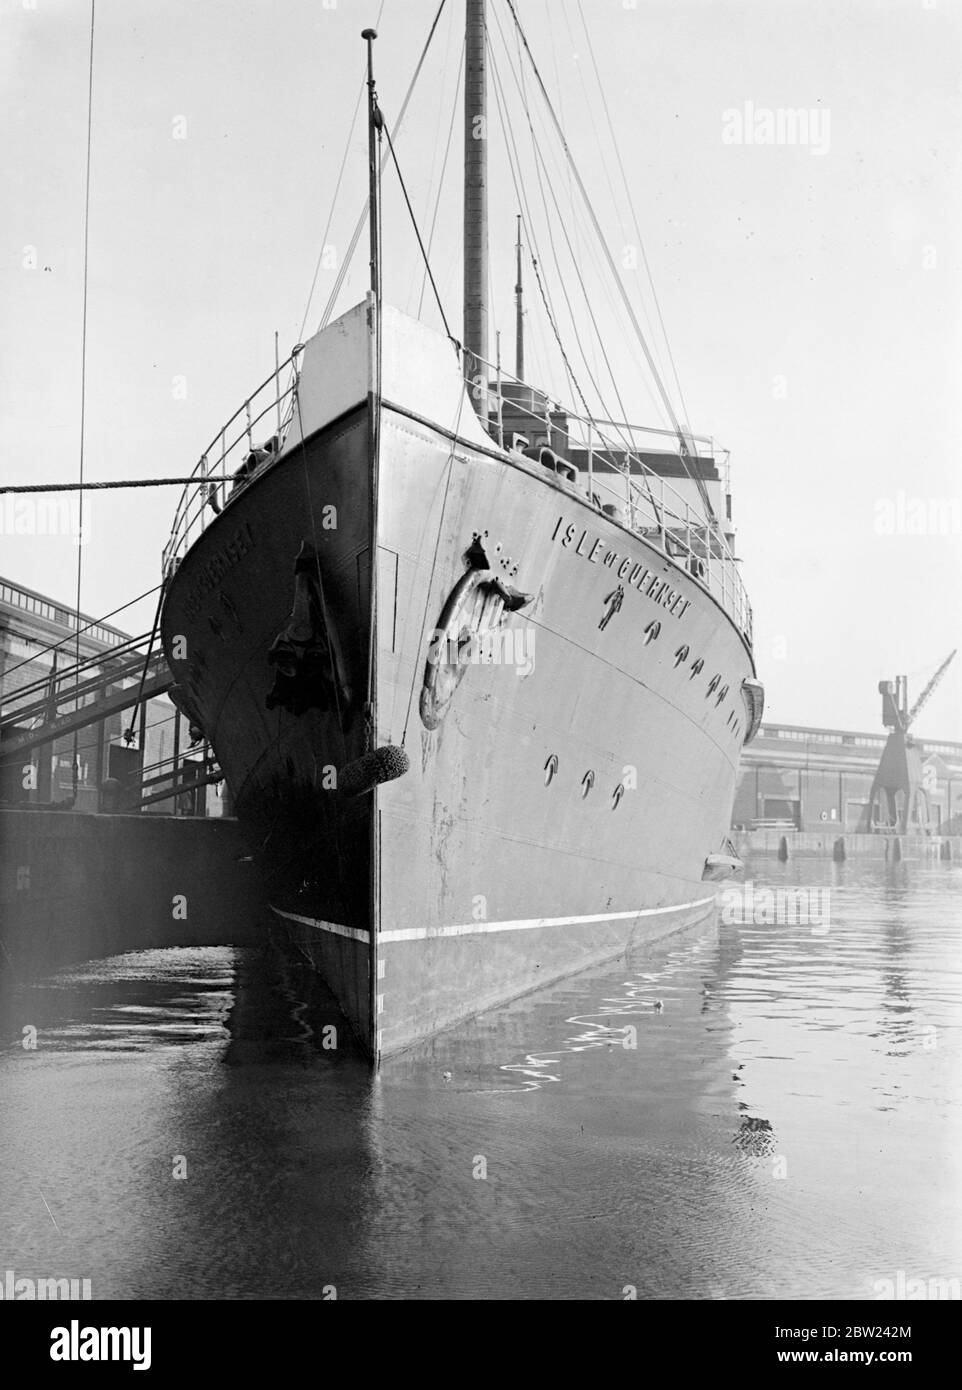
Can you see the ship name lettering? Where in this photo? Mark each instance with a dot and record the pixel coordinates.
(634, 572)
(656, 584)
(217, 566)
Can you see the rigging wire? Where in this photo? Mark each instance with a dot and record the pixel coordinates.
(511, 149)
(532, 247)
(83, 378)
(337, 187)
(562, 278)
(572, 203)
(417, 231)
(626, 442)
(684, 451)
(514, 165)
(634, 216)
(629, 451)
(599, 144)
(423, 628)
(362, 219)
(444, 165)
(330, 215)
(513, 159)
(438, 126)
(129, 734)
(376, 408)
(559, 88)
(654, 370)
(94, 622)
(541, 167)
(573, 208)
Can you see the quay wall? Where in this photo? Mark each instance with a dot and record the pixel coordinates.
(791, 844)
(76, 886)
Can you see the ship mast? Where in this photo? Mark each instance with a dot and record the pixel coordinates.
(519, 315)
(373, 125)
(476, 204)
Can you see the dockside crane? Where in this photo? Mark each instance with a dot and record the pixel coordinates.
(898, 804)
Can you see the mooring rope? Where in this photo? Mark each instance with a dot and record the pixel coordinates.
(91, 487)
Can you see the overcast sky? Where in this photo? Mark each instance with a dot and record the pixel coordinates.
(811, 291)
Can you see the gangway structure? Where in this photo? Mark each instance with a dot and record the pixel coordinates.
(89, 694)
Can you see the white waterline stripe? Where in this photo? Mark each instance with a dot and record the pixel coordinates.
(471, 928)
(353, 933)
(532, 923)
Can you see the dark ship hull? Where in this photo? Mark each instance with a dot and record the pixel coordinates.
(445, 824)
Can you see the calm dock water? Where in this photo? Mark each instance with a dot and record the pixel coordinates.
(787, 1124)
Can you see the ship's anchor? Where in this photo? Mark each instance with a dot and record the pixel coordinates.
(306, 656)
(475, 611)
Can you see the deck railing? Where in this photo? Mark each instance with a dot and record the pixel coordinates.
(643, 500)
(223, 466)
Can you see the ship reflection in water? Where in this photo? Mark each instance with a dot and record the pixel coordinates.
(747, 1112)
